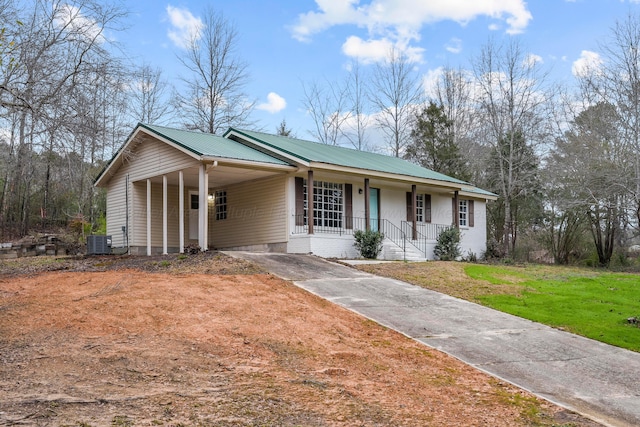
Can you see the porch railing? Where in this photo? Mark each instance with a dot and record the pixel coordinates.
(401, 236)
(425, 233)
(340, 226)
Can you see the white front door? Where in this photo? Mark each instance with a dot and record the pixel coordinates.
(194, 202)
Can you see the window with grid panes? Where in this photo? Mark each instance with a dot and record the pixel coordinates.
(420, 207)
(221, 205)
(328, 204)
(463, 213)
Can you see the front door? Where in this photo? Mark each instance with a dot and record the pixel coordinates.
(194, 202)
(374, 208)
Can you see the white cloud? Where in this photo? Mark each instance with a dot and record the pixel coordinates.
(454, 45)
(71, 17)
(532, 59)
(368, 51)
(274, 104)
(331, 12)
(430, 81)
(400, 21)
(184, 26)
(588, 63)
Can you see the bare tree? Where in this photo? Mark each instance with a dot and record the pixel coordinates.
(618, 84)
(590, 163)
(149, 103)
(453, 92)
(327, 107)
(54, 47)
(397, 95)
(356, 92)
(214, 98)
(512, 101)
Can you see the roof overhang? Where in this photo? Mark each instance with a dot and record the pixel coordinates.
(463, 189)
(141, 131)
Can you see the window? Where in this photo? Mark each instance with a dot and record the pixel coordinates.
(328, 204)
(420, 207)
(195, 201)
(423, 207)
(463, 213)
(221, 205)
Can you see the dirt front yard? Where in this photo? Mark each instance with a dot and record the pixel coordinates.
(212, 341)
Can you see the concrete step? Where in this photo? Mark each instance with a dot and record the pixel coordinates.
(391, 251)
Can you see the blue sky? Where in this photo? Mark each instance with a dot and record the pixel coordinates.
(288, 42)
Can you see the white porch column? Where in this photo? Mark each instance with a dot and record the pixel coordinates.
(206, 210)
(181, 209)
(164, 215)
(202, 203)
(148, 217)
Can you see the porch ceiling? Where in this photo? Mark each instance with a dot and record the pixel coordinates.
(219, 176)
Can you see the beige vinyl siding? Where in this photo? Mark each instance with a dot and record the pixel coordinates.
(149, 159)
(256, 215)
(138, 218)
(116, 210)
(156, 158)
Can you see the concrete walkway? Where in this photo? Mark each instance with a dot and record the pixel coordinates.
(597, 380)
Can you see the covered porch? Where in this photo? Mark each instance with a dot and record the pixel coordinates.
(410, 216)
(181, 208)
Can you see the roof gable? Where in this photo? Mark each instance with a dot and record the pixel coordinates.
(209, 145)
(200, 146)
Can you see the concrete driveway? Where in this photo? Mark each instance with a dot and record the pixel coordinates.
(597, 380)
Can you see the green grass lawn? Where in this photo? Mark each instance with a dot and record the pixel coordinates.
(586, 302)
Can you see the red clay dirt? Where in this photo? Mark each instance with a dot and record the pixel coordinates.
(157, 344)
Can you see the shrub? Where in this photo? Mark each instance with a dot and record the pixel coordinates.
(448, 245)
(101, 225)
(471, 257)
(494, 250)
(368, 243)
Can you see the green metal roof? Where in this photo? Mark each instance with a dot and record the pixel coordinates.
(209, 145)
(309, 151)
(206, 144)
